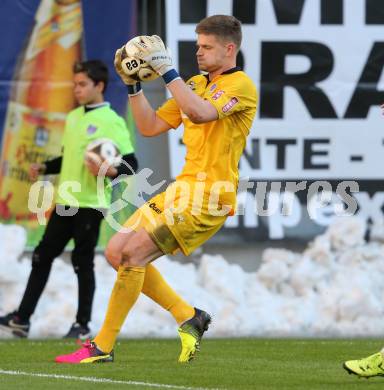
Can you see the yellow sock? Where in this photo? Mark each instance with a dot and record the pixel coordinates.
(125, 292)
(156, 288)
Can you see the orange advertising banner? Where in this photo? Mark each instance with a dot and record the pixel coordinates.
(41, 96)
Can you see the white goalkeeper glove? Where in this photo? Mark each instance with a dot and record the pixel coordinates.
(153, 51)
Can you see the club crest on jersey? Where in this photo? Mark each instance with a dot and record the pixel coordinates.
(217, 94)
(228, 106)
(91, 129)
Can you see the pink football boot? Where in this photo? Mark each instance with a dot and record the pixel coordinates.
(87, 354)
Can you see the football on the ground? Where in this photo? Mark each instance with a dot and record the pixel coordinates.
(133, 66)
(101, 150)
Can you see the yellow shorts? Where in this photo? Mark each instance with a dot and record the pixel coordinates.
(179, 228)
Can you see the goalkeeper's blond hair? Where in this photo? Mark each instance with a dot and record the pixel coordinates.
(224, 27)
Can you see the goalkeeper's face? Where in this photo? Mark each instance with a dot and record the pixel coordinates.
(214, 54)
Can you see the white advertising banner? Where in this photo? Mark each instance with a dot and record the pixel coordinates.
(318, 66)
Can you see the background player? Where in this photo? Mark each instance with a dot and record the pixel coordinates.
(92, 120)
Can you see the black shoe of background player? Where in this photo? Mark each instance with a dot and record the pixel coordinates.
(11, 324)
(78, 331)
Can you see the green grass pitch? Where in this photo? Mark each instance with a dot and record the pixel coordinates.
(253, 363)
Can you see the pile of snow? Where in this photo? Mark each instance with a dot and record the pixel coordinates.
(334, 288)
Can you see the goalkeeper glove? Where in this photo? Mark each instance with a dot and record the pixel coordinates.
(152, 50)
(134, 87)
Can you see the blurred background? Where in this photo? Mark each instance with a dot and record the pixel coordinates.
(314, 152)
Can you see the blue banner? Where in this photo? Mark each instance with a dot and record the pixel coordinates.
(106, 28)
(39, 41)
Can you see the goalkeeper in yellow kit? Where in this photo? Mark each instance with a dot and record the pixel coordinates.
(216, 110)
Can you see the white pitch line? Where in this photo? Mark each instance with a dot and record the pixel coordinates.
(100, 380)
